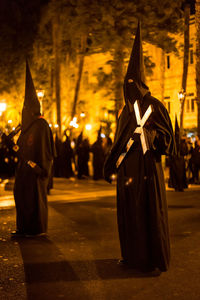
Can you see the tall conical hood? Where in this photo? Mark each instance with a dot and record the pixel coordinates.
(99, 133)
(177, 135)
(135, 83)
(31, 101)
(31, 108)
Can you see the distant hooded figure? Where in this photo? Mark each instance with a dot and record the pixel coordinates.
(144, 133)
(36, 152)
(177, 169)
(98, 157)
(82, 153)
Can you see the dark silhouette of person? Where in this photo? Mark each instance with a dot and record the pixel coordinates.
(98, 157)
(177, 167)
(36, 152)
(82, 152)
(66, 157)
(135, 157)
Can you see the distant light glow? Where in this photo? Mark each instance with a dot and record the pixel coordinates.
(56, 125)
(88, 126)
(72, 144)
(9, 121)
(82, 115)
(103, 135)
(40, 94)
(3, 106)
(73, 123)
(50, 125)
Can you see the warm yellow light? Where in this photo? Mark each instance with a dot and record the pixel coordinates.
(88, 126)
(9, 121)
(56, 125)
(82, 115)
(181, 95)
(3, 106)
(73, 123)
(40, 94)
(72, 144)
(50, 125)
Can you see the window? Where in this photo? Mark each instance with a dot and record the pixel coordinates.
(192, 105)
(168, 62)
(191, 57)
(187, 105)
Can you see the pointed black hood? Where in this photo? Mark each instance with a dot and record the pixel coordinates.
(31, 108)
(135, 83)
(177, 135)
(99, 134)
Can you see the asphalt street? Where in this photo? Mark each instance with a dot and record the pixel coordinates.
(78, 258)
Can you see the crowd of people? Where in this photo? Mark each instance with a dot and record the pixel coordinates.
(74, 156)
(184, 169)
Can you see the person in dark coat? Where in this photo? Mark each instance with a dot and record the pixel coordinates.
(195, 161)
(98, 157)
(8, 156)
(57, 163)
(177, 168)
(36, 152)
(66, 157)
(82, 152)
(135, 156)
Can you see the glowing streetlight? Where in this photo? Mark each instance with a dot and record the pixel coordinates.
(74, 123)
(88, 126)
(82, 115)
(3, 107)
(40, 94)
(181, 95)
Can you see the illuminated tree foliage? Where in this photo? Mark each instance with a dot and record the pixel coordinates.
(84, 27)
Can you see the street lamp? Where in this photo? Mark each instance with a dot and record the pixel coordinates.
(40, 94)
(181, 97)
(3, 107)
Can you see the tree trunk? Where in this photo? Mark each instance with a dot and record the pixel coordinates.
(80, 72)
(56, 50)
(118, 71)
(185, 61)
(162, 81)
(197, 16)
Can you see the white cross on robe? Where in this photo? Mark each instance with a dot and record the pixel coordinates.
(140, 122)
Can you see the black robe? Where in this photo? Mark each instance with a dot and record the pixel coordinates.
(98, 159)
(141, 199)
(30, 189)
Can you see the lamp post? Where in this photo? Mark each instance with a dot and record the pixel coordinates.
(181, 97)
(40, 94)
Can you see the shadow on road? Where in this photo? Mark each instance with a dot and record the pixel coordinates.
(47, 271)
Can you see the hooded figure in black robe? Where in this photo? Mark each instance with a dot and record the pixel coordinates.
(98, 157)
(141, 198)
(177, 169)
(36, 152)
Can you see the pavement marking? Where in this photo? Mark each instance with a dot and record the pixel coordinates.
(8, 200)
